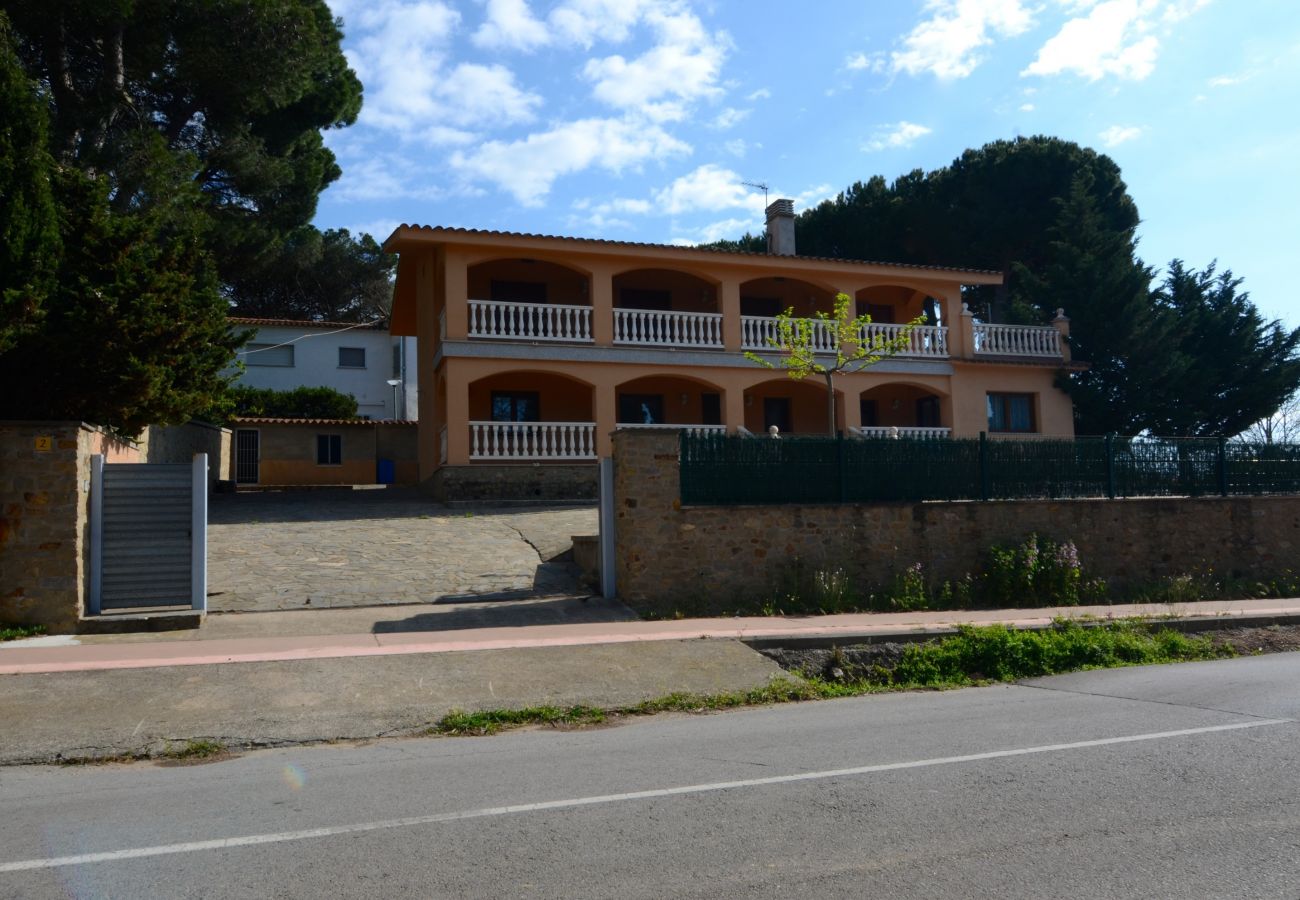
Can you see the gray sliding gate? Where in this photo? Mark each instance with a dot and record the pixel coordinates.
(148, 543)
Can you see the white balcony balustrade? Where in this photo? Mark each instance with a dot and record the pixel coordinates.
(762, 333)
(656, 328)
(664, 426)
(532, 440)
(924, 341)
(1017, 340)
(890, 431)
(504, 320)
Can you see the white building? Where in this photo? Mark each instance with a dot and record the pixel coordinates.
(352, 358)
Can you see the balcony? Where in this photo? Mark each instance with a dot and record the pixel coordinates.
(532, 441)
(1017, 340)
(901, 432)
(654, 328)
(503, 320)
(690, 429)
(923, 341)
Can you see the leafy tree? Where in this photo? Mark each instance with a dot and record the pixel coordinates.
(1090, 269)
(1283, 427)
(799, 340)
(229, 96)
(1057, 220)
(134, 329)
(1239, 369)
(29, 240)
(242, 400)
(326, 276)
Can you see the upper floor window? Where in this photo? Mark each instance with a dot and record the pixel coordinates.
(352, 357)
(268, 354)
(1011, 412)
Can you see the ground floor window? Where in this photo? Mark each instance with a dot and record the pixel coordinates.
(1011, 412)
(329, 449)
(516, 406)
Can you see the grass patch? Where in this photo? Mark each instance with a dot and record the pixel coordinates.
(194, 749)
(18, 632)
(975, 655)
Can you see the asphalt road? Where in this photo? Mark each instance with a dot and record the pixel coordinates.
(1177, 781)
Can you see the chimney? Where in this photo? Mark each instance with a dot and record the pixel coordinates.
(780, 228)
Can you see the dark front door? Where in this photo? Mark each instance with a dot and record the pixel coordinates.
(247, 454)
(711, 409)
(776, 411)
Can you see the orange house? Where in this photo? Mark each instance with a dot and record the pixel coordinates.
(533, 349)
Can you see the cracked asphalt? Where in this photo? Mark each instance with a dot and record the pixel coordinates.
(351, 548)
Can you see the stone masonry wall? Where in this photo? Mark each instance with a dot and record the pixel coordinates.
(708, 557)
(43, 521)
(517, 483)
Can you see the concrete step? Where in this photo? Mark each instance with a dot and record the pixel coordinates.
(132, 621)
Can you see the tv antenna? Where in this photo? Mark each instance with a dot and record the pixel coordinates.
(762, 186)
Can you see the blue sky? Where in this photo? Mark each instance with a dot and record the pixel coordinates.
(641, 119)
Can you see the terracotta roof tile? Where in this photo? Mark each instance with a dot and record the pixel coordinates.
(605, 242)
(304, 323)
(284, 420)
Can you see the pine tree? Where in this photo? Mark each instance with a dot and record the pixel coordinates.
(28, 226)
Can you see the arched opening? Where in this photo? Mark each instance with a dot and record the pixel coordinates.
(669, 401)
(773, 296)
(906, 407)
(529, 300)
(528, 281)
(665, 290)
(533, 416)
(666, 308)
(794, 407)
(896, 304)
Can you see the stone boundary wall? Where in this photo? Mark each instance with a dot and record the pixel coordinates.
(515, 483)
(707, 557)
(44, 524)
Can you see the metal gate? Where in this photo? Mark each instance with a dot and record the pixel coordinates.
(247, 456)
(148, 544)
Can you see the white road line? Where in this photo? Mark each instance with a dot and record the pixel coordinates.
(253, 840)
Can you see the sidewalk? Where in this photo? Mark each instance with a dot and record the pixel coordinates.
(257, 679)
(398, 631)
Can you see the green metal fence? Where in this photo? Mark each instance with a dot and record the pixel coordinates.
(730, 469)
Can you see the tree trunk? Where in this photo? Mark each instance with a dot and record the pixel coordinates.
(830, 403)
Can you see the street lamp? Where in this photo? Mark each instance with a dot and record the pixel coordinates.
(393, 383)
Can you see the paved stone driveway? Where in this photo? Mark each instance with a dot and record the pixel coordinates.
(347, 548)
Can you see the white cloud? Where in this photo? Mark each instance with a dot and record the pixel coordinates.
(379, 229)
(896, 136)
(947, 44)
(511, 25)
(729, 117)
(1026, 107)
(1230, 80)
(716, 231)
(1119, 134)
(760, 94)
(1112, 38)
(737, 147)
(585, 21)
(709, 187)
(527, 168)
(402, 57)
(683, 65)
